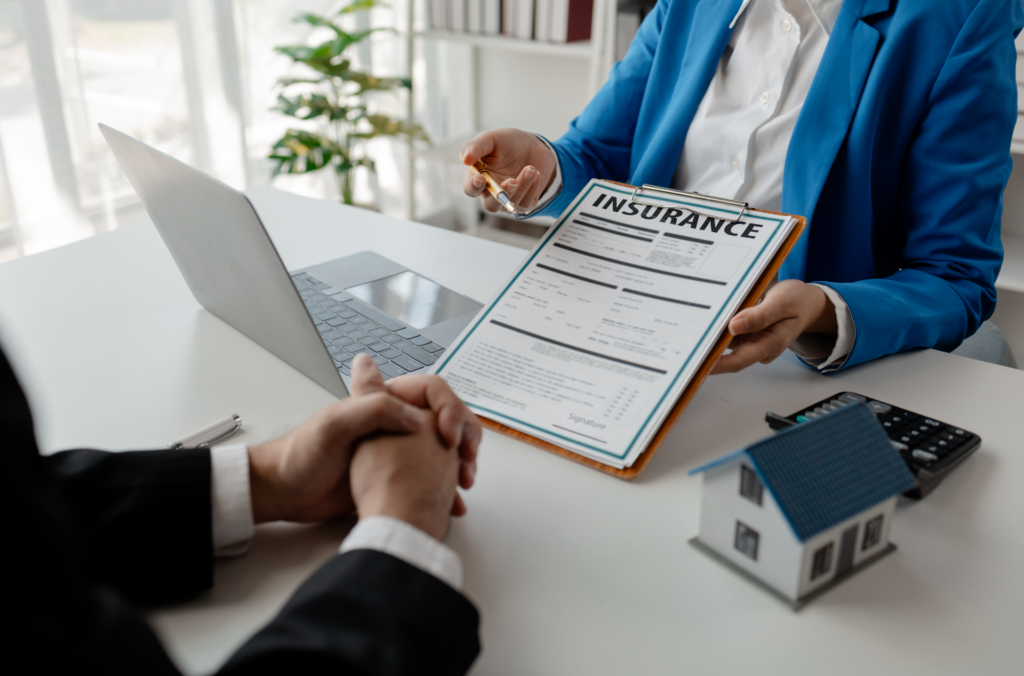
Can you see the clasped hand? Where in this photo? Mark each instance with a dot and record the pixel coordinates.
(399, 449)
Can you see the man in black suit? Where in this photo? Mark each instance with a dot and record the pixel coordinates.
(92, 535)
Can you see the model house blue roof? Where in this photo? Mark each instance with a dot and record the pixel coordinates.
(824, 471)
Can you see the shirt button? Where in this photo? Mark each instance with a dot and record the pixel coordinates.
(736, 163)
(765, 98)
(787, 25)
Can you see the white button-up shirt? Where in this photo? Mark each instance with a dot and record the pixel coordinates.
(736, 144)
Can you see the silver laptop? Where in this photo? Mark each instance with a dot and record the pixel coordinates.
(316, 319)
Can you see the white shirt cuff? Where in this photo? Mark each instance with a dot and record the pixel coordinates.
(231, 500)
(820, 351)
(404, 541)
(556, 183)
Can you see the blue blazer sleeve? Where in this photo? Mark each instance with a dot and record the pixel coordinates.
(949, 201)
(599, 142)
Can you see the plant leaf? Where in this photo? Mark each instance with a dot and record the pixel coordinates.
(289, 81)
(300, 151)
(382, 125)
(369, 83)
(310, 106)
(361, 5)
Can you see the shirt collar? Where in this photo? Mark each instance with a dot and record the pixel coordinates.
(826, 12)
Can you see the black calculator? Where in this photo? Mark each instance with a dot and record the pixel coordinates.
(930, 447)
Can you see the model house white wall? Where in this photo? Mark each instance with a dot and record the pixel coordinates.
(783, 562)
(779, 553)
(834, 535)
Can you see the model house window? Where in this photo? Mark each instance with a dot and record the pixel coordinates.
(746, 540)
(750, 485)
(822, 561)
(872, 532)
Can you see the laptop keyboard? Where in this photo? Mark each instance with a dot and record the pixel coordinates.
(347, 332)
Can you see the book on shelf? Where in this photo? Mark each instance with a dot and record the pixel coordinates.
(523, 18)
(570, 20)
(438, 15)
(626, 26)
(508, 17)
(457, 16)
(542, 21)
(474, 16)
(491, 17)
(629, 15)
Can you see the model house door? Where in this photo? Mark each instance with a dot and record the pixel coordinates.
(849, 541)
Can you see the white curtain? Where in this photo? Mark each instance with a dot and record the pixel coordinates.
(194, 78)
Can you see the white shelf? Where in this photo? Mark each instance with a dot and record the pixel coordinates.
(579, 50)
(1011, 277)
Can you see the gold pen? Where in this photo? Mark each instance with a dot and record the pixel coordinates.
(480, 169)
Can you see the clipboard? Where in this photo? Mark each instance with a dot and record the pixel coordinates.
(720, 346)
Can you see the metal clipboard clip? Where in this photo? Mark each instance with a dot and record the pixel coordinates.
(744, 207)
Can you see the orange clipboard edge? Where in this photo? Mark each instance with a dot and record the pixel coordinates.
(640, 463)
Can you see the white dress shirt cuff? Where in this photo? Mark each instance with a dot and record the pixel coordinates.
(821, 351)
(556, 183)
(408, 543)
(232, 502)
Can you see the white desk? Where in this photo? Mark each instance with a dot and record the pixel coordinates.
(574, 572)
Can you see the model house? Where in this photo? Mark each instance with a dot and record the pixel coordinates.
(807, 507)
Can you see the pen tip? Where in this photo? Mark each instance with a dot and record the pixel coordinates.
(511, 207)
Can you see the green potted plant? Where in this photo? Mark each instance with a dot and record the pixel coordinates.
(334, 96)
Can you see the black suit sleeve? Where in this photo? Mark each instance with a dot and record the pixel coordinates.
(366, 612)
(142, 518)
(86, 529)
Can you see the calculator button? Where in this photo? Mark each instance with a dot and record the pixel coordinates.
(919, 454)
(837, 403)
(820, 411)
(956, 430)
(878, 408)
(811, 414)
(828, 408)
(802, 418)
(850, 398)
(899, 447)
(933, 423)
(905, 439)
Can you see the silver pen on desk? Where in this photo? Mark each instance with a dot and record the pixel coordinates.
(211, 434)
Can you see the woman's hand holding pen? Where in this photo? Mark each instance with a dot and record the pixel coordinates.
(522, 164)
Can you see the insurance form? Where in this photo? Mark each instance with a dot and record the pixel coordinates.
(593, 339)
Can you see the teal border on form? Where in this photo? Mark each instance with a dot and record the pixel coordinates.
(582, 196)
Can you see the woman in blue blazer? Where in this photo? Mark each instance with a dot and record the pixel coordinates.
(898, 159)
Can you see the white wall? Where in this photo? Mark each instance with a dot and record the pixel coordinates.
(535, 92)
(779, 552)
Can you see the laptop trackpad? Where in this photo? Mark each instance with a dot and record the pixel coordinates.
(414, 300)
